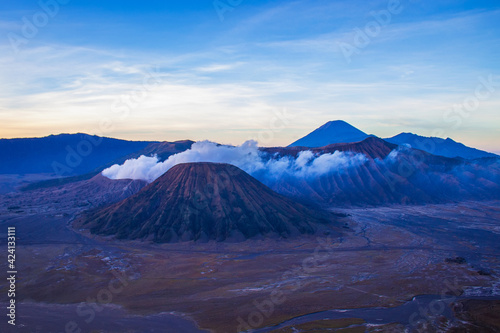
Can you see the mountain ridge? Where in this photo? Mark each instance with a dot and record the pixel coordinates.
(341, 132)
(439, 146)
(372, 147)
(63, 154)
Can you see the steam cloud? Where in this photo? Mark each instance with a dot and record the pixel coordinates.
(247, 157)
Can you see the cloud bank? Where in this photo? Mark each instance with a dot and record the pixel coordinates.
(247, 157)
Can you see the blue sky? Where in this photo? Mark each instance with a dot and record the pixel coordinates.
(272, 71)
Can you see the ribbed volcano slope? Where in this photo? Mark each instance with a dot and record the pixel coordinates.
(205, 201)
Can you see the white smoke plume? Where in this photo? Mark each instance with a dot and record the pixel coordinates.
(247, 157)
(404, 149)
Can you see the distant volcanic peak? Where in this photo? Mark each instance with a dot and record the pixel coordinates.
(337, 131)
(339, 124)
(205, 201)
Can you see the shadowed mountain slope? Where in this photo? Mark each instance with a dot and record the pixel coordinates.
(437, 146)
(63, 154)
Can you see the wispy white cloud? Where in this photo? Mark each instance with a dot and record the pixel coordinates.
(397, 30)
(214, 68)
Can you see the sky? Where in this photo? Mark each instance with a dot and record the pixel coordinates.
(233, 70)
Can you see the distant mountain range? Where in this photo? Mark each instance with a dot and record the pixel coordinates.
(437, 176)
(438, 146)
(339, 131)
(77, 154)
(64, 154)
